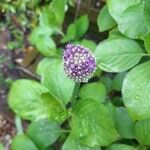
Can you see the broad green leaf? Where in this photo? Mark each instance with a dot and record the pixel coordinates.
(117, 7)
(118, 55)
(95, 91)
(124, 147)
(31, 100)
(104, 20)
(89, 44)
(142, 130)
(135, 91)
(124, 123)
(70, 35)
(72, 144)
(58, 7)
(43, 132)
(118, 80)
(59, 85)
(132, 22)
(46, 46)
(147, 43)
(82, 25)
(43, 65)
(1, 147)
(106, 80)
(22, 142)
(92, 123)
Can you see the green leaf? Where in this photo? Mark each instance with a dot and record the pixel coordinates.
(104, 20)
(70, 35)
(31, 100)
(147, 43)
(43, 132)
(58, 7)
(142, 130)
(89, 44)
(118, 55)
(115, 33)
(92, 123)
(147, 13)
(22, 142)
(40, 31)
(40, 37)
(59, 85)
(118, 80)
(106, 80)
(82, 25)
(1, 147)
(43, 65)
(72, 144)
(132, 22)
(46, 46)
(95, 90)
(136, 95)
(124, 123)
(124, 147)
(117, 7)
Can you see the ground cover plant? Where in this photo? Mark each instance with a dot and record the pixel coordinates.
(90, 96)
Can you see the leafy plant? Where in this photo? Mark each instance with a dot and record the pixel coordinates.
(110, 109)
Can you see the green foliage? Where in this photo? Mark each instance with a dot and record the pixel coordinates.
(43, 132)
(142, 129)
(135, 91)
(92, 124)
(1, 147)
(104, 20)
(33, 101)
(22, 142)
(118, 55)
(110, 111)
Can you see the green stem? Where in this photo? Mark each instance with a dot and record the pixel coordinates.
(75, 93)
(18, 125)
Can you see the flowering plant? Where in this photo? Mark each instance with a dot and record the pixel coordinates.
(90, 97)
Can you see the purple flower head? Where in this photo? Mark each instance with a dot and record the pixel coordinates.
(79, 63)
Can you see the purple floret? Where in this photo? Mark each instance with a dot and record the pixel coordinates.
(79, 63)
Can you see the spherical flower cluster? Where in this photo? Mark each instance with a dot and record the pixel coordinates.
(79, 63)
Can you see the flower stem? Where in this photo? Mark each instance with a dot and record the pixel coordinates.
(18, 125)
(75, 93)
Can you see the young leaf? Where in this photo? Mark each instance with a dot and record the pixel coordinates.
(43, 132)
(82, 25)
(124, 123)
(118, 80)
(70, 35)
(104, 20)
(118, 55)
(22, 142)
(136, 95)
(31, 100)
(72, 144)
(58, 7)
(59, 85)
(124, 147)
(142, 130)
(92, 123)
(95, 90)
